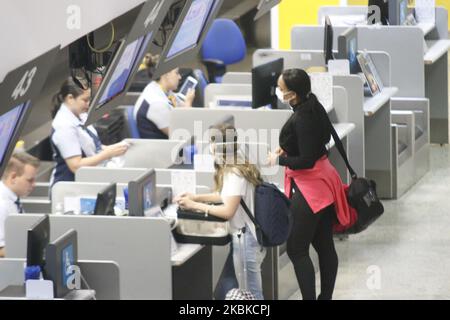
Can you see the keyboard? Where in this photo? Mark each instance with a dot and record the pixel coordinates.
(171, 211)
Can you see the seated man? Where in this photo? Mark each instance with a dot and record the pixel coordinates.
(18, 181)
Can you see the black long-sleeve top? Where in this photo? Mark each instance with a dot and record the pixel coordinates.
(305, 135)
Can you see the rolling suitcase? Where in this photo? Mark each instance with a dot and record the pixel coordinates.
(241, 293)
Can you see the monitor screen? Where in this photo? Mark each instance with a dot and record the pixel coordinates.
(142, 194)
(37, 241)
(122, 71)
(67, 260)
(192, 27)
(60, 255)
(348, 49)
(148, 195)
(264, 83)
(352, 54)
(9, 122)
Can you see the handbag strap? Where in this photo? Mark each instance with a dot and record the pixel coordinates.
(341, 149)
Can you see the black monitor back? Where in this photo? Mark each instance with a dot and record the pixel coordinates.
(264, 83)
(106, 200)
(328, 40)
(38, 239)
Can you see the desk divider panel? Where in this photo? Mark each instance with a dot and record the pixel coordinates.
(237, 78)
(108, 175)
(140, 246)
(61, 190)
(403, 44)
(302, 59)
(145, 153)
(213, 90)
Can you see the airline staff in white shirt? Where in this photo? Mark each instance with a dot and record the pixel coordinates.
(18, 181)
(75, 145)
(153, 107)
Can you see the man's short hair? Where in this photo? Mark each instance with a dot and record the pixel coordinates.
(18, 162)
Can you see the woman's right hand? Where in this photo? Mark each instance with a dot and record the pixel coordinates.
(279, 152)
(116, 150)
(187, 195)
(190, 97)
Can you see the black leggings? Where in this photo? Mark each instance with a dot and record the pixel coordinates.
(316, 229)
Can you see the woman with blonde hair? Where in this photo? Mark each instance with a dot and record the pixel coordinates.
(235, 179)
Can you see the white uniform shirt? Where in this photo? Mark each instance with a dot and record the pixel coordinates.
(69, 137)
(235, 185)
(7, 207)
(160, 105)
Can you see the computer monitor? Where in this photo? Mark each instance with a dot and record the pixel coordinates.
(11, 124)
(142, 194)
(38, 238)
(383, 6)
(125, 64)
(398, 12)
(265, 82)
(118, 77)
(328, 40)
(60, 255)
(106, 201)
(264, 7)
(188, 35)
(348, 48)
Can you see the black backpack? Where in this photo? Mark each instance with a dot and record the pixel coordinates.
(272, 218)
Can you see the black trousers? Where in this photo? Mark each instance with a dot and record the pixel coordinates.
(316, 229)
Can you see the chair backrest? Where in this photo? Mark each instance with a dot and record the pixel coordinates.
(229, 51)
(200, 92)
(202, 82)
(132, 124)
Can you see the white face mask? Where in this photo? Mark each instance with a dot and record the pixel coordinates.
(280, 96)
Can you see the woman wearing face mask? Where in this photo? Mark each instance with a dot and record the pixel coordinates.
(312, 183)
(74, 145)
(235, 179)
(153, 107)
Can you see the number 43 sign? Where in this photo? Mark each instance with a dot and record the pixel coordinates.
(25, 83)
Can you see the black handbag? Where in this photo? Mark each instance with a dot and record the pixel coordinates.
(361, 195)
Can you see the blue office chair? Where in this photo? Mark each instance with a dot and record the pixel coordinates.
(224, 45)
(132, 124)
